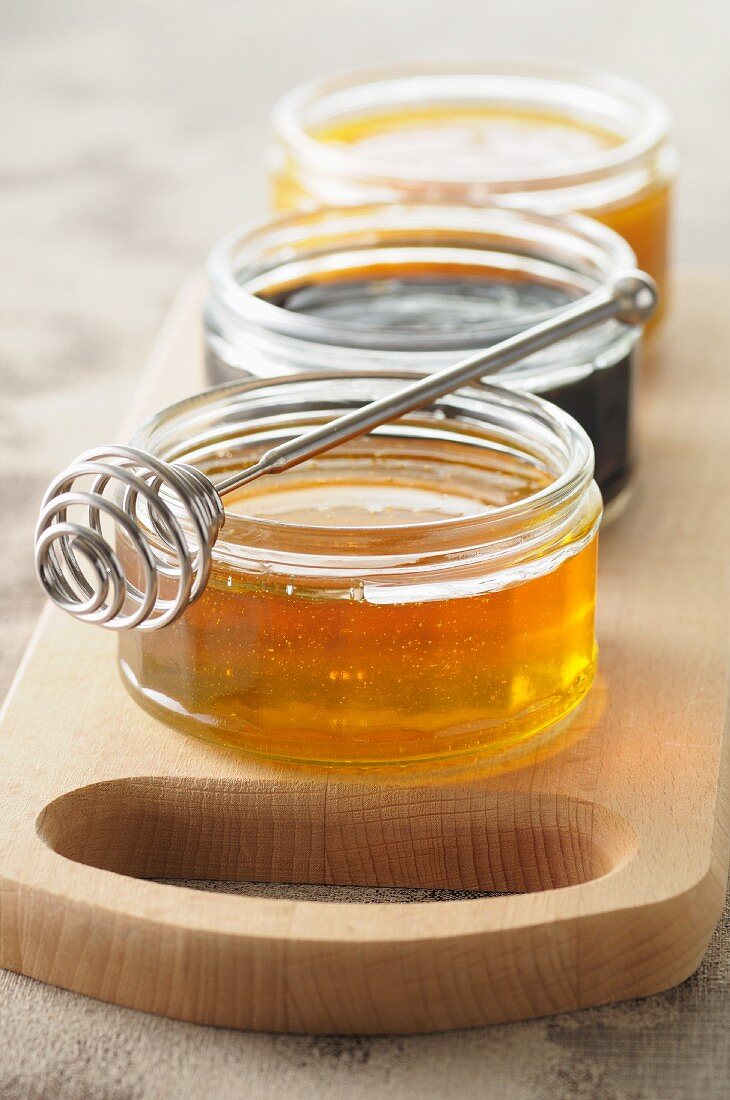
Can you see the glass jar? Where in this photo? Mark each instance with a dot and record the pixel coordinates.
(554, 138)
(422, 593)
(416, 287)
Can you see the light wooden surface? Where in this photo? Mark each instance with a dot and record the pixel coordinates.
(613, 845)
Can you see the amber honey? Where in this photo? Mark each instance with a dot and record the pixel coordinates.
(422, 594)
(554, 140)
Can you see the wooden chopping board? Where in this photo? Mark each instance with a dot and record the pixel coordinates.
(609, 850)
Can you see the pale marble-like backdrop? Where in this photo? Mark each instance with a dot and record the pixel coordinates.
(132, 136)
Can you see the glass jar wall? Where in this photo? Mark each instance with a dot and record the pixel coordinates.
(422, 593)
(554, 138)
(415, 287)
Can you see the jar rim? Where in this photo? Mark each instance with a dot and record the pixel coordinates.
(511, 529)
(651, 123)
(527, 229)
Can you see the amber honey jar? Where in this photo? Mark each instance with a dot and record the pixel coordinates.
(416, 287)
(422, 593)
(554, 138)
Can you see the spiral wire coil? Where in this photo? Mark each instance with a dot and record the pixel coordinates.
(169, 516)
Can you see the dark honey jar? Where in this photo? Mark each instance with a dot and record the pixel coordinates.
(414, 287)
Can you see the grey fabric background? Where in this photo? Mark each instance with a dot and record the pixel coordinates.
(132, 136)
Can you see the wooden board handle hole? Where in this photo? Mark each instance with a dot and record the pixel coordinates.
(282, 832)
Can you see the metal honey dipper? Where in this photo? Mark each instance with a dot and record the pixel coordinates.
(185, 510)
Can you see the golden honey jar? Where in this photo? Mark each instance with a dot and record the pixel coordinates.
(553, 138)
(425, 592)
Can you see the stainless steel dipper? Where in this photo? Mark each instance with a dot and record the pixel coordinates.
(185, 508)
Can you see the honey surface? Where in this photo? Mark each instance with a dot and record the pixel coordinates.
(470, 138)
(298, 666)
(428, 297)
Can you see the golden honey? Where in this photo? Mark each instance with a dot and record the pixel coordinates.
(552, 139)
(421, 594)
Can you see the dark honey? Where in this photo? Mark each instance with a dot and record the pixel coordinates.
(466, 308)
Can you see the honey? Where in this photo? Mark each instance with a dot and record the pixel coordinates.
(419, 287)
(444, 300)
(420, 594)
(511, 140)
(549, 139)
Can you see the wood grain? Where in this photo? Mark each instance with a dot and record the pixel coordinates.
(614, 849)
